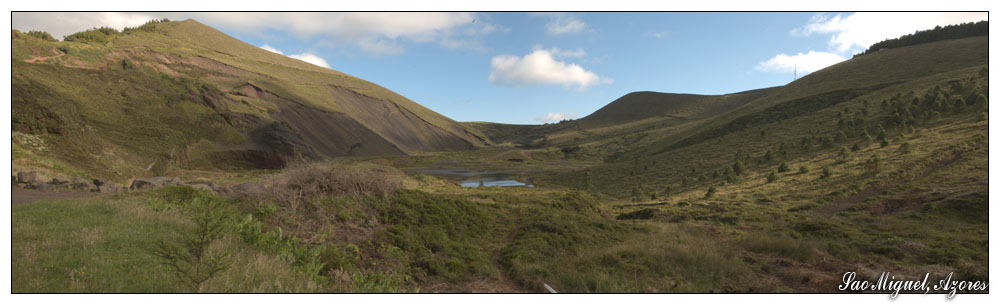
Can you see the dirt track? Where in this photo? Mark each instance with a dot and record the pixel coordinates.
(32, 60)
(21, 196)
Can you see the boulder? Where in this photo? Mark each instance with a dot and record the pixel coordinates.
(27, 177)
(81, 184)
(41, 186)
(147, 183)
(58, 180)
(173, 181)
(202, 185)
(99, 182)
(109, 187)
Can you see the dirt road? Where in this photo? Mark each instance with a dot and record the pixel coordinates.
(21, 196)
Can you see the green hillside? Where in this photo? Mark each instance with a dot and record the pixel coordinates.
(876, 164)
(170, 96)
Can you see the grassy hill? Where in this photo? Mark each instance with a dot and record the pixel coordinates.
(876, 164)
(180, 95)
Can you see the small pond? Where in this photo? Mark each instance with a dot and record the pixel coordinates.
(473, 178)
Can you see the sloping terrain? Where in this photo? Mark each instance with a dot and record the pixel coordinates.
(181, 95)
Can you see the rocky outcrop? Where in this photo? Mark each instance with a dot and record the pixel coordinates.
(28, 177)
(34, 180)
(81, 184)
(154, 182)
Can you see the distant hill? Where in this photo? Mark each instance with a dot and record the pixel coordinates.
(184, 95)
(641, 105)
(938, 33)
(935, 86)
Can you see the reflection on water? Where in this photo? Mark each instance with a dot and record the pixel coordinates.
(473, 178)
(491, 182)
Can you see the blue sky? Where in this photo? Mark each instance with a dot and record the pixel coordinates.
(528, 68)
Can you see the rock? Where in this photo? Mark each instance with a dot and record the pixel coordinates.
(109, 187)
(208, 183)
(27, 177)
(58, 180)
(99, 182)
(41, 186)
(81, 184)
(203, 187)
(201, 184)
(147, 183)
(173, 181)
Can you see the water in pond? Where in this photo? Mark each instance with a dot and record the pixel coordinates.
(473, 178)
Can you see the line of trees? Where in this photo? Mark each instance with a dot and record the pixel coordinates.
(939, 33)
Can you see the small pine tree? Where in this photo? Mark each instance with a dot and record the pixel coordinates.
(871, 165)
(804, 169)
(772, 177)
(826, 173)
(710, 192)
(783, 167)
(768, 156)
(739, 168)
(885, 142)
(855, 147)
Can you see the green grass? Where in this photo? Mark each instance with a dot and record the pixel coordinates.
(103, 245)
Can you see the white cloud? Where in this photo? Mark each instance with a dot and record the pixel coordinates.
(306, 57)
(311, 58)
(540, 68)
(378, 32)
(557, 52)
(660, 35)
(554, 117)
(562, 23)
(272, 49)
(803, 63)
(856, 32)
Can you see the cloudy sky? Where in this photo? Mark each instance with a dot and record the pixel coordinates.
(529, 68)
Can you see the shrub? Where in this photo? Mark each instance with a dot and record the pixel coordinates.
(339, 256)
(739, 168)
(41, 35)
(804, 169)
(646, 213)
(783, 167)
(826, 173)
(885, 142)
(710, 192)
(904, 148)
(772, 177)
(871, 165)
(299, 185)
(100, 35)
(844, 155)
(855, 147)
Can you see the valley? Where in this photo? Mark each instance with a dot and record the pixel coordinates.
(317, 181)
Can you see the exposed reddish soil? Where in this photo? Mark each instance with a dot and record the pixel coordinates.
(34, 59)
